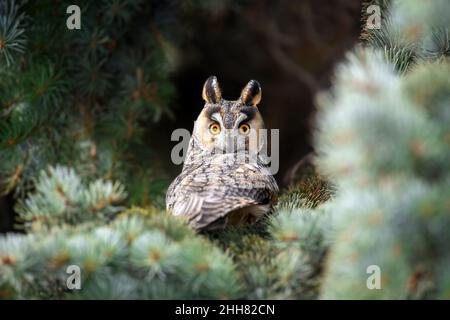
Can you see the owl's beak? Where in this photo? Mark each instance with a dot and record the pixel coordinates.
(230, 141)
(233, 141)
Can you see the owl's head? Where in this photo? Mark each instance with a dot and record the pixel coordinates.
(229, 126)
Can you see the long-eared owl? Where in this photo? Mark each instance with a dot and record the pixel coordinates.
(225, 180)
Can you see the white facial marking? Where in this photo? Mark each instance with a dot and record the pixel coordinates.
(239, 120)
(216, 117)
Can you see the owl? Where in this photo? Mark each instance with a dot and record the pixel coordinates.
(225, 180)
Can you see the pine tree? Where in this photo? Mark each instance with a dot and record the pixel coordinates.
(383, 136)
(71, 129)
(80, 97)
(139, 254)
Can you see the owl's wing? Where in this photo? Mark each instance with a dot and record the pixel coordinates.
(206, 193)
(203, 211)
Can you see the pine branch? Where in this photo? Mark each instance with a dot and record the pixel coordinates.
(12, 32)
(383, 139)
(61, 198)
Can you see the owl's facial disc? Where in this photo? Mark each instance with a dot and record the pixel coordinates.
(226, 126)
(236, 131)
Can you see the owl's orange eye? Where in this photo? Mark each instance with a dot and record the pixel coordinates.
(244, 128)
(214, 128)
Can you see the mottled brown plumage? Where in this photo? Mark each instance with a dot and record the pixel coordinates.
(224, 179)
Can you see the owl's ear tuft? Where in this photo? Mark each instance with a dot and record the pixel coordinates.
(251, 94)
(211, 90)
